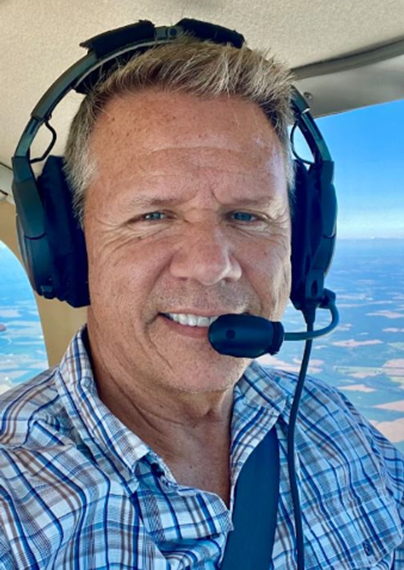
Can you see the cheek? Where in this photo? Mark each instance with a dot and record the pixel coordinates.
(271, 259)
(269, 272)
(123, 272)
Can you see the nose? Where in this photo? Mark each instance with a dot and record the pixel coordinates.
(205, 255)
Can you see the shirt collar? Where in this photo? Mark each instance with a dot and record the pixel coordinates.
(101, 431)
(260, 386)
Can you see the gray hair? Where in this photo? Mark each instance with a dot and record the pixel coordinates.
(187, 65)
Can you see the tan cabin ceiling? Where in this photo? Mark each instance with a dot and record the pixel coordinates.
(40, 39)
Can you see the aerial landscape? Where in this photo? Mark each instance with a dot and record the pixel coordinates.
(364, 356)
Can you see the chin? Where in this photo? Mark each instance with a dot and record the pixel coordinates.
(213, 380)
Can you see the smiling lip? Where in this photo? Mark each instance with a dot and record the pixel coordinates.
(185, 330)
(208, 314)
(188, 330)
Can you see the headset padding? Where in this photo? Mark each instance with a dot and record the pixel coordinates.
(65, 237)
(306, 237)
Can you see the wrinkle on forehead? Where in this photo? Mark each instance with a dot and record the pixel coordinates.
(138, 165)
(183, 176)
(168, 159)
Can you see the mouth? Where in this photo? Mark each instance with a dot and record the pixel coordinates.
(191, 320)
(196, 321)
(191, 326)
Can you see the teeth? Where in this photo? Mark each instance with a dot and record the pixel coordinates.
(191, 320)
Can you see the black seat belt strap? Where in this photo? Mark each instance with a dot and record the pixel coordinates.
(250, 544)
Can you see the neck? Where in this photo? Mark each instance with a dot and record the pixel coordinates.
(177, 425)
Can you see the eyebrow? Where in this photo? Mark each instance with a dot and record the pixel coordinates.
(154, 201)
(166, 201)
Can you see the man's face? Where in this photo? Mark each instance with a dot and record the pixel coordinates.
(187, 215)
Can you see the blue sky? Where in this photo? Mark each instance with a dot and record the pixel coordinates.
(367, 146)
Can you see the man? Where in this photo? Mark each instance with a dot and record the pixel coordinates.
(127, 454)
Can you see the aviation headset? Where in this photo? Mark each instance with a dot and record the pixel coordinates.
(51, 241)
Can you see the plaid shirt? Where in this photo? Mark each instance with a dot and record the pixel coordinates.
(78, 490)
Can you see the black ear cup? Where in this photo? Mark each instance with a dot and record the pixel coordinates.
(313, 234)
(64, 236)
(37, 261)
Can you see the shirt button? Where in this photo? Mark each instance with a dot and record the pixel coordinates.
(367, 547)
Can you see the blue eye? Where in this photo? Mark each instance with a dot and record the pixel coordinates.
(153, 216)
(244, 217)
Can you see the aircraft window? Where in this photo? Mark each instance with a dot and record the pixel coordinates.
(22, 347)
(364, 357)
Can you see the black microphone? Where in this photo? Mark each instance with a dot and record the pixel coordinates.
(248, 336)
(245, 336)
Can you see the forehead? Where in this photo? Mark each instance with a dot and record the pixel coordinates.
(155, 134)
(157, 119)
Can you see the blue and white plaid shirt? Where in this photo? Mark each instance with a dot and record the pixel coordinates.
(78, 490)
